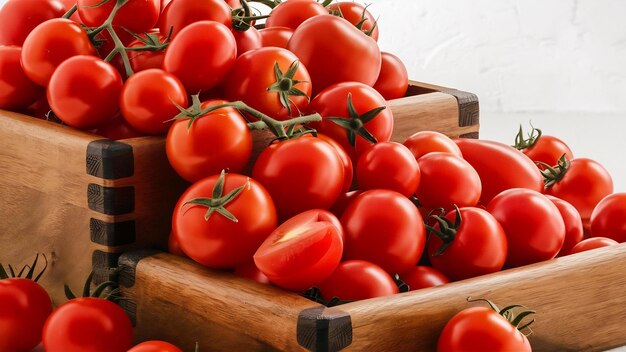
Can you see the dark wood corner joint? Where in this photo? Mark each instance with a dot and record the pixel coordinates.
(109, 159)
(111, 200)
(469, 109)
(323, 331)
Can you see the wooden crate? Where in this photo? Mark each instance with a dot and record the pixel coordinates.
(83, 200)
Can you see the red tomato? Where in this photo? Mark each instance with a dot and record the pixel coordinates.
(592, 243)
(500, 167)
(146, 59)
(84, 91)
(293, 12)
(393, 79)
(533, 225)
(250, 271)
(326, 39)
(51, 43)
(173, 246)
(247, 40)
(89, 325)
(127, 16)
(255, 81)
(300, 174)
(155, 346)
(214, 51)
(608, 218)
(357, 279)
(447, 180)
(149, 99)
(388, 165)
(420, 277)
(378, 212)
(481, 329)
(181, 13)
(573, 224)
(16, 90)
(343, 201)
(303, 251)
(219, 242)
(424, 142)
(68, 4)
(216, 141)
(356, 14)
(276, 36)
(20, 17)
(24, 308)
(584, 184)
(348, 172)
(234, 4)
(117, 128)
(334, 102)
(477, 246)
(543, 148)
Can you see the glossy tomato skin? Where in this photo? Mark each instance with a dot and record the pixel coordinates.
(214, 51)
(393, 79)
(343, 201)
(357, 14)
(20, 17)
(247, 40)
(250, 271)
(252, 75)
(584, 184)
(303, 251)
(16, 90)
(51, 43)
(301, 174)
(388, 165)
(500, 167)
(88, 325)
(220, 242)
(310, 42)
(143, 60)
(420, 277)
(592, 243)
(155, 346)
(126, 16)
(181, 13)
(148, 100)
(447, 180)
(481, 329)
(424, 142)
(478, 248)
(24, 308)
(533, 225)
(292, 13)
(607, 218)
(573, 224)
(276, 36)
(354, 280)
(174, 247)
(117, 128)
(548, 149)
(333, 102)
(216, 141)
(385, 228)
(84, 91)
(348, 172)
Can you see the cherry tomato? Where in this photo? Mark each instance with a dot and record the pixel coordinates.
(84, 91)
(220, 242)
(424, 142)
(201, 55)
(544, 148)
(155, 346)
(592, 243)
(500, 167)
(303, 251)
(312, 44)
(16, 90)
(146, 59)
(608, 217)
(348, 172)
(533, 225)
(24, 308)
(343, 201)
(117, 128)
(358, 15)
(388, 165)
(255, 81)
(51, 43)
(250, 271)
(20, 17)
(477, 246)
(393, 79)
(334, 102)
(181, 13)
(385, 228)
(174, 247)
(89, 325)
(420, 277)
(357, 279)
(136, 15)
(276, 36)
(293, 12)
(247, 40)
(216, 141)
(573, 224)
(300, 174)
(149, 98)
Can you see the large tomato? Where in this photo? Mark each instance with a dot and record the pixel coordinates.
(500, 167)
(351, 111)
(137, 16)
(385, 228)
(533, 225)
(357, 279)
(608, 218)
(420, 277)
(88, 325)
(155, 346)
(51, 43)
(293, 12)
(20, 17)
(84, 91)
(181, 13)
(276, 36)
(213, 142)
(329, 39)
(220, 222)
(393, 79)
(573, 224)
(303, 251)
(424, 142)
(16, 90)
(301, 174)
(388, 165)
(272, 81)
(356, 14)
(201, 55)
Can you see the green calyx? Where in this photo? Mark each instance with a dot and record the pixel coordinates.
(515, 318)
(285, 85)
(355, 123)
(522, 143)
(218, 201)
(362, 20)
(29, 274)
(447, 229)
(107, 290)
(553, 174)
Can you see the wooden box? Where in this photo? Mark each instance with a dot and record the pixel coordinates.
(83, 200)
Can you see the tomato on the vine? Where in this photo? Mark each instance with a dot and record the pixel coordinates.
(137, 16)
(608, 217)
(542, 148)
(357, 279)
(20, 17)
(16, 90)
(424, 142)
(293, 12)
(357, 14)
(181, 13)
(388, 165)
(276, 36)
(146, 59)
